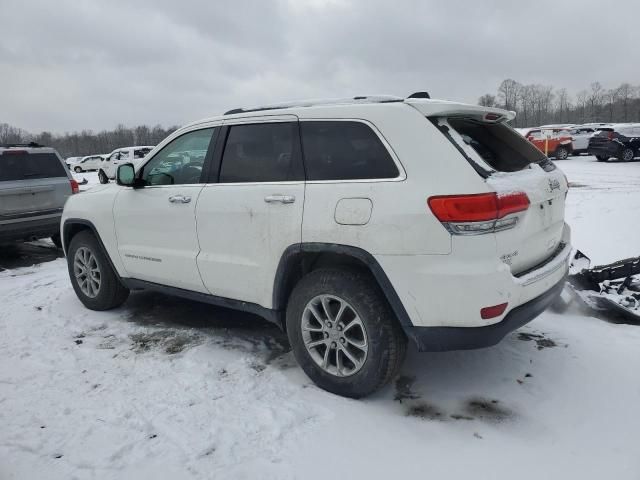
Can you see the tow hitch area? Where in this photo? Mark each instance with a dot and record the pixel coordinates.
(612, 287)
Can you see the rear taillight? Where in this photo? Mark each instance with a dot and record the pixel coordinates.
(478, 213)
(611, 135)
(492, 312)
(75, 188)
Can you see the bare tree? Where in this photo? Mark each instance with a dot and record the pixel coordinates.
(487, 100)
(509, 94)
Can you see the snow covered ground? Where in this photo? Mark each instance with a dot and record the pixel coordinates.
(167, 388)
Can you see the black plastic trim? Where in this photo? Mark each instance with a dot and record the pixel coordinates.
(80, 221)
(30, 228)
(268, 314)
(34, 214)
(442, 339)
(288, 260)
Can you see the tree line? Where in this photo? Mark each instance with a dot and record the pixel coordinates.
(537, 105)
(87, 142)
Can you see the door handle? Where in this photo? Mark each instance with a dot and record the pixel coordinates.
(279, 199)
(179, 199)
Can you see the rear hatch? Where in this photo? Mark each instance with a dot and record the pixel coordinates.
(511, 166)
(602, 137)
(31, 184)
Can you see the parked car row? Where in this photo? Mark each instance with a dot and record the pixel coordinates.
(107, 164)
(621, 140)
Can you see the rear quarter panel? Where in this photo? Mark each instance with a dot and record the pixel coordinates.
(401, 222)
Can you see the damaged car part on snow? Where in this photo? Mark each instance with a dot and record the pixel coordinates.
(614, 287)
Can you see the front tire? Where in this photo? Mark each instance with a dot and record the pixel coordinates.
(601, 158)
(627, 154)
(343, 333)
(92, 277)
(77, 170)
(561, 153)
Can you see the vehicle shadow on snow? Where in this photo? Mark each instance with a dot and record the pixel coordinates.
(19, 255)
(176, 324)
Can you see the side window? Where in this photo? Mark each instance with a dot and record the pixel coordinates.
(264, 152)
(180, 162)
(125, 156)
(338, 150)
(140, 152)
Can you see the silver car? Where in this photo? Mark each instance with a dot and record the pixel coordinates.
(34, 185)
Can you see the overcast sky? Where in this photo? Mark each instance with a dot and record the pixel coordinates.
(91, 64)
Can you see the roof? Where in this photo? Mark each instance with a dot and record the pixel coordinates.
(419, 100)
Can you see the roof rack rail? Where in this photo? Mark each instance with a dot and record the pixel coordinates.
(312, 103)
(23, 145)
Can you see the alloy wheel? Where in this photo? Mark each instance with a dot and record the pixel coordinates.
(87, 272)
(334, 335)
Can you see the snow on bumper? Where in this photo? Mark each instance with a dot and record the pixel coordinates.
(448, 291)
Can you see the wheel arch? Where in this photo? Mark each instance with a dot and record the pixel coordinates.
(300, 259)
(73, 226)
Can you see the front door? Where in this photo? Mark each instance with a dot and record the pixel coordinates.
(252, 210)
(155, 224)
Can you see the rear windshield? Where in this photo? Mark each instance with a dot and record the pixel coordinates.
(498, 145)
(26, 166)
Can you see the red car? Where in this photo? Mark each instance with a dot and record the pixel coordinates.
(553, 142)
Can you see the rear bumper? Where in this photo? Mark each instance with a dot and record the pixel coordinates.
(443, 295)
(610, 149)
(29, 229)
(440, 339)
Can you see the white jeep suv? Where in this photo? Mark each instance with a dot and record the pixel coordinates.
(355, 225)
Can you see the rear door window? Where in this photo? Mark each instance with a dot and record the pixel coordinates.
(498, 145)
(262, 152)
(344, 150)
(27, 166)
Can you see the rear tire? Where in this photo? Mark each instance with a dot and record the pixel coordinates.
(92, 277)
(77, 170)
(600, 158)
(102, 177)
(561, 153)
(57, 241)
(374, 340)
(626, 155)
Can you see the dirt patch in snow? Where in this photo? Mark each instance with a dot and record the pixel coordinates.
(485, 409)
(541, 341)
(170, 341)
(425, 411)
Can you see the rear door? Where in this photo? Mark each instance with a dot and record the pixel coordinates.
(517, 167)
(31, 184)
(155, 224)
(251, 209)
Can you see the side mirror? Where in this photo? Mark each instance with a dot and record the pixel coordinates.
(126, 175)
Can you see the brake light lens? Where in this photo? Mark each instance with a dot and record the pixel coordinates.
(611, 135)
(492, 312)
(478, 213)
(75, 188)
(14, 152)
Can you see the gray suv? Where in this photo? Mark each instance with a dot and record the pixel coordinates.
(34, 185)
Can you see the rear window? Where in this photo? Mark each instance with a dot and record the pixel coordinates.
(27, 166)
(499, 146)
(339, 150)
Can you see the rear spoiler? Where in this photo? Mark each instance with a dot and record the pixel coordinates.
(442, 108)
